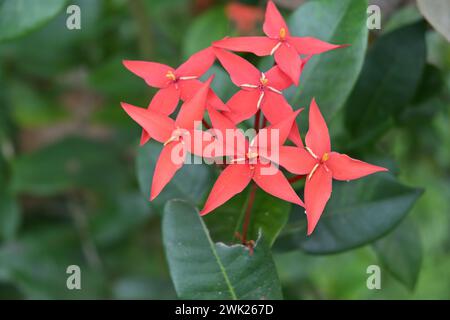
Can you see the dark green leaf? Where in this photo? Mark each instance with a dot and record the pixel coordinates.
(269, 215)
(9, 215)
(189, 183)
(202, 269)
(18, 17)
(330, 76)
(400, 252)
(388, 82)
(358, 213)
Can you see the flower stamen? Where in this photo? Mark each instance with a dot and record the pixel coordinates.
(313, 170)
(282, 33)
(312, 153)
(170, 75)
(275, 48)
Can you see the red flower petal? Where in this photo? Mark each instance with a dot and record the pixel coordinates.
(159, 126)
(274, 21)
(261, 46)
(231, 181)
(345, 168)
(194, 109)
(243, 105)
(197, 64)
(271, 180)
(198, 142)
(240, 70)
(276, 108)
(310, 46)
(166, 167)
(317, 193)
(152, 72)
(296, 160)
(189, 88)
(289, 62)
(278, 79)
(317, 137)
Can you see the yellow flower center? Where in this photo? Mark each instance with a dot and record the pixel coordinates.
(264, 81)
(170, 75)
(282, 33)
(325, 157)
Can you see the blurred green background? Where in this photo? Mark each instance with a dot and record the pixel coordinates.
(71, 172)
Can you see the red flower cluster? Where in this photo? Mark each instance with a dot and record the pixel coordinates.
(258, 159)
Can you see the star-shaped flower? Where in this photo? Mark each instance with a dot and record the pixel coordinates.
(176, 135)
(321, 165)
(175, 83)
(280, 43)
(252, 163)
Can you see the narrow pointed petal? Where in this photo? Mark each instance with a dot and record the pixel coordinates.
(152, 72)
(188, 88)
(231, 181)
(317, 194)
(296, 160)
(240, 70)
(157, 125)
(310, 46)
(289, 62)
(243, 105)
(198, 142)
(276, 108)
(273, 21)
(261, 46)
(271, 180)
(345, 168)
(197, 64)
(266, 136)
(193, 110)
(278, 79)
(165, 101)
(317, 138)
(166, 167)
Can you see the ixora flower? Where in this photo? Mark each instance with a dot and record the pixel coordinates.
(321, 165)
(175, 83)
(279, 42)
(259, 90)
(174, 134)
(253, 162)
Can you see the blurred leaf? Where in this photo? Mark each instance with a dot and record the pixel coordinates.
(67, 164)
(388, 82)
(358, 213)
(18, 17)
(437, 14)
(269, 215)
(403, 17)
(190, 183)
(330, 76)
(9, 215)
(400, 252)
(202, 269)
(210, 26)
(222, 84)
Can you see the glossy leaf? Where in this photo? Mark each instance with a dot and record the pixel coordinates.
(9, 215)
(269, 215)
(202, 269)
(330, 76)
(400, 252)
(388, 82)
(18, 17)
(358, 213)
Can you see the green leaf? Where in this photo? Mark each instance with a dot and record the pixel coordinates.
(67, 164)
(202, 269)
(9, 216)
(330, 76)
(437, 14)
(388, 82)
(358, 213)
(210, 26)
(269, 215)
(400, 252)
(190, 183)
(18, 17)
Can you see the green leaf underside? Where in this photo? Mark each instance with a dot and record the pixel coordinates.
(358, 213)
(202, 269)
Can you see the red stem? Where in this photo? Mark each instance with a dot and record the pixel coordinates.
(264, 124)
(206, 124)
(257, 120)
(295, 178)
(248, 212)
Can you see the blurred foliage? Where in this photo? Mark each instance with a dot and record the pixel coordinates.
(74, 183)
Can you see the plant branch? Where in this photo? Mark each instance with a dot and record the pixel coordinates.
(248, 213)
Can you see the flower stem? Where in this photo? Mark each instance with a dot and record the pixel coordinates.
(206, 124)
(295, 178)
(257, 120)
(248, 212)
